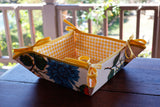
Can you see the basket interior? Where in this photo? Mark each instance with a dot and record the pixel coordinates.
(80, 44)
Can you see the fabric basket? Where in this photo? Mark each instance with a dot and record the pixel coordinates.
(81, 61)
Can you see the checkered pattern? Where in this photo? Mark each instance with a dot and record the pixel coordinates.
(94, 47)
(59, 49)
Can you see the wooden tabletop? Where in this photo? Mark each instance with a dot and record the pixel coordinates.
(137, 85)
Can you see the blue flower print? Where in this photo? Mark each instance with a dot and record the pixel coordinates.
(63, 74)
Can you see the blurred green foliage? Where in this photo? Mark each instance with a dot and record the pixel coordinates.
(24, 19)
(97, 15)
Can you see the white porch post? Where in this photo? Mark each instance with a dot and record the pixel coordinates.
(49, 19)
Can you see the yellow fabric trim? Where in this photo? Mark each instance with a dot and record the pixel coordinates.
(87, 60)
(97, 66)
(92, 72)
(86, 64)
(77, 62)
(141, 40)
(131, 52)
(61, 37)
(30, 48)
(92, 77)
(103, 37)
(69, 23)
(53, 58)
(73, 28)
(84, 58)
(137, 42)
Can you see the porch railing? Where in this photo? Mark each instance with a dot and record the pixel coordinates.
(16, 8)
(53, 22)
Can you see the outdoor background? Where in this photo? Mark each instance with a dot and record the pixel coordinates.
(146, 25)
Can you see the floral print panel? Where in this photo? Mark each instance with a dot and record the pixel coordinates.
(55, 71)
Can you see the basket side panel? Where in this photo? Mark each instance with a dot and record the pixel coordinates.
(59, 48)
(109, 69)
(69, 76)
(96, 48)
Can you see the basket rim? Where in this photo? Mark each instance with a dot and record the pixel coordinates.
(86, 66)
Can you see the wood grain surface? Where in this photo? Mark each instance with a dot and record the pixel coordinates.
(137, 85)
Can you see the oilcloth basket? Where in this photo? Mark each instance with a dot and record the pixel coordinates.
(81, 61)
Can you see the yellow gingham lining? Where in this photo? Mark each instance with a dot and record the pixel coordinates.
(58, 48)
(95, 48)
(78, 44)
